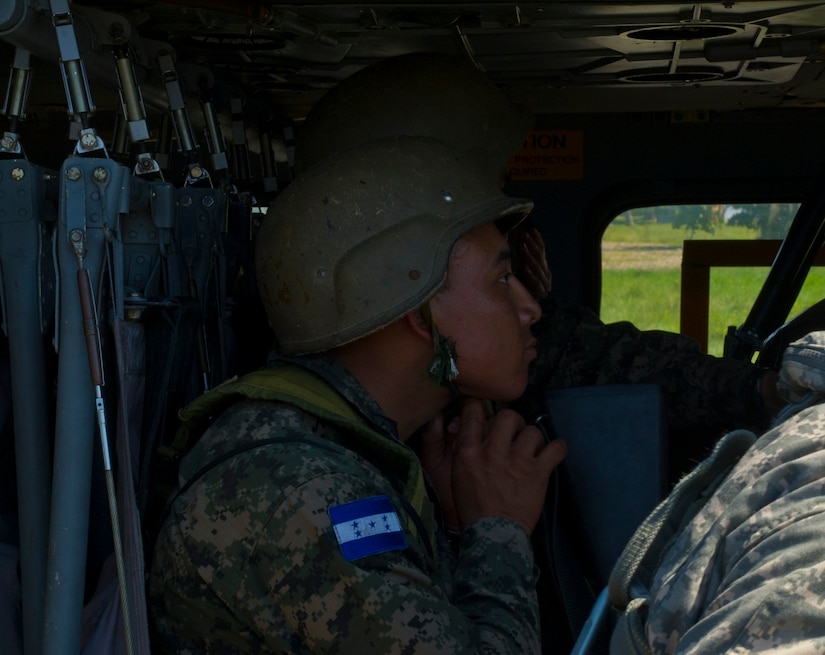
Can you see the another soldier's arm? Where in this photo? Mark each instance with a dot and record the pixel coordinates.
(747, 573)
(577, 349)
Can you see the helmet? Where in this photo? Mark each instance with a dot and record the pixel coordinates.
(364, 237)
(419, 94)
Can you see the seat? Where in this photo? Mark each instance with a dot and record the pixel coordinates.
(615, 473)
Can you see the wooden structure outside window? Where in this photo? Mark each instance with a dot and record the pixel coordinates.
(697, 259)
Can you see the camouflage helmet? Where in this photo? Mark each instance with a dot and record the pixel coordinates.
(364, 236)
(419, 94)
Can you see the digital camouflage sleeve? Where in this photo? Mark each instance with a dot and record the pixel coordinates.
(747, 573)
(577, 349)
(249, 560)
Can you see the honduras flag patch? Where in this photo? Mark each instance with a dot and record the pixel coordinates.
(367, 527)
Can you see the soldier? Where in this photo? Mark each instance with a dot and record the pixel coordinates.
(305, 523)
(446, 98)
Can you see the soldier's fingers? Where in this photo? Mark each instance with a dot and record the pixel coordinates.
(533, 243)
(552, 455)
(529, 442)
(433, 436)
(503, 428)
(533, 270)
(472, 429)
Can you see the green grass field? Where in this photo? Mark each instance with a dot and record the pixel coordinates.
(633, 290)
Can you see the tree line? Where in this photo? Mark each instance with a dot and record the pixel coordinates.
(770, 220)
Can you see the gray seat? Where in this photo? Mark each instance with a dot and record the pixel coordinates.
(616, 467)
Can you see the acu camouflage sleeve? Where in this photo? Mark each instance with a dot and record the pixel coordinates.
(747, 573)
(577, 349)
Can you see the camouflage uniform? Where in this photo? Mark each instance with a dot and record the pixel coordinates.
(746, 572)
(577, 349)
(248, 560)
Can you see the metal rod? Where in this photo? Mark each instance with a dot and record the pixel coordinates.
(94, 354)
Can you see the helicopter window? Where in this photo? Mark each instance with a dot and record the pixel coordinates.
(643, 251)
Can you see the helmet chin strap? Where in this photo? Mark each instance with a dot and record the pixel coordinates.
(444, 368)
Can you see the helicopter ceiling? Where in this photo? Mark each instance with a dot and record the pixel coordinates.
(554, 56)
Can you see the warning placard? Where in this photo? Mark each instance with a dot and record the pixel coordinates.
(549, 155)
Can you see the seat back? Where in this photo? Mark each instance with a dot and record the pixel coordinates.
(616, 468)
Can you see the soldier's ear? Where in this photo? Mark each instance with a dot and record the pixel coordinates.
(420, 324)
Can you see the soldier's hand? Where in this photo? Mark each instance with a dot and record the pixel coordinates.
(501, 467)
(530, 259)
(437, 446)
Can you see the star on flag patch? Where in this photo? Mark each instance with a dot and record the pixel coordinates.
(367, 527)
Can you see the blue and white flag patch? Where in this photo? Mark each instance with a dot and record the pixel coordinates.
(367, 527)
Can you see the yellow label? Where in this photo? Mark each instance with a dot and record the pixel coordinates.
(549, 155)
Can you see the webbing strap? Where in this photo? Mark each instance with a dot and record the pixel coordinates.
(629, 636)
